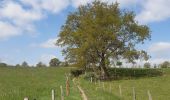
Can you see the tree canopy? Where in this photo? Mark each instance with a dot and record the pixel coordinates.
(54, 62)
(24, 64)
(97, 33)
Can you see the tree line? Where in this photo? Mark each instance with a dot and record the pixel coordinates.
(54, 62)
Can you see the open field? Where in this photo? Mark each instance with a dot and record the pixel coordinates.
(37, 83)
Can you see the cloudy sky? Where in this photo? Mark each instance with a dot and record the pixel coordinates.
(29, 28)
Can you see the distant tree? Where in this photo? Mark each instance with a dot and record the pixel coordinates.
(119, 63)
(17, 65)
(3, 65)
(98, 32)
(165, 64)
(147, 65)
(54, 62)
(40, 64)
(155, 66)
(24, 64)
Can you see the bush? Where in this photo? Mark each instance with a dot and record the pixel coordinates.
(77, 72)
(119, 73)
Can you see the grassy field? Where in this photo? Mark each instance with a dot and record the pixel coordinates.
(16, 83)
(35, 83)
(159, 88)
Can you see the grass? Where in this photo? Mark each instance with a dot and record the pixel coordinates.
(37, 83)
(159, 88)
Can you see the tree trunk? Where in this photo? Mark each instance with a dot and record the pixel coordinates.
(104, 72)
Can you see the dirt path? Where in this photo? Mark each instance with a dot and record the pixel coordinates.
(83, 95)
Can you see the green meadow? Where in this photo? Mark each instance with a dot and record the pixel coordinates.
(37, 83)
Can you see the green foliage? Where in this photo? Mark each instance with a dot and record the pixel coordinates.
(40, 64)
(54, 62)
(97, 33)
(165, 64)
(147, 65)
(3, 65)
(24, 64)
(119, 73)
(77, 72)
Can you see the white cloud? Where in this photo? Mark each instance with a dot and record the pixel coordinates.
(8, 30)
(20, 15)
(49, 44)
(159, 52)
(160, 47)
(13, 10)
(158, 60)
(77, 3)
(123, 3)
(54, 6)
(154, 10)
(45, 58)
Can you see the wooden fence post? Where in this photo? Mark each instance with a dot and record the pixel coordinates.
(134, 94)
(52, 95)
(149, 95)
(62, 94)
(120, 90)
(26, 98)
(67, 86)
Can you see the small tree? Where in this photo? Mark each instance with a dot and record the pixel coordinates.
(24, 64)
(40, 64)
(54, 62)
(147, 65)
(165, 64)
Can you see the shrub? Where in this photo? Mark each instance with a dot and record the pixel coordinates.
(77, 72)
(119, 73)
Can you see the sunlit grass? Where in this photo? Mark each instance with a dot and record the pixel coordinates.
(35, 83)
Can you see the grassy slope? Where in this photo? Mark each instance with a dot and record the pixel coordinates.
(37, 83)
(159, 88)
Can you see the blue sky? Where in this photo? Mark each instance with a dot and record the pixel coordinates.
(29, 28)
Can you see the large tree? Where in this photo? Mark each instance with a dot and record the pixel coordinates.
(97, 33)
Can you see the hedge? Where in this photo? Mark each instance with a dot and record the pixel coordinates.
(122, 73)
(117, 73)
